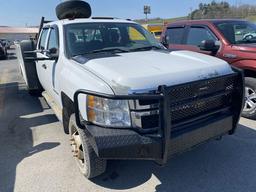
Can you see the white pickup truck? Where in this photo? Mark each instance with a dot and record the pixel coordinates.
(122, 95)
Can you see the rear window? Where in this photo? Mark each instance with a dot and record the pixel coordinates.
(175, 35)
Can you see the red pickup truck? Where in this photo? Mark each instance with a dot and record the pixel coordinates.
(230, 40)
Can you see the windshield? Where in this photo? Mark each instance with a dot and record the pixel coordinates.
(85, 38)
(238, 32)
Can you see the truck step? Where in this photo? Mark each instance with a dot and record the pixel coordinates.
(57, 110)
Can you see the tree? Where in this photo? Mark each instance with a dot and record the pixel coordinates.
(217, 10)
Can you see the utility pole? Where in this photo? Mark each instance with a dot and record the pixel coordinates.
(190, 14)
(147, 10)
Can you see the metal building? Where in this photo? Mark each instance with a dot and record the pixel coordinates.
(17, 33)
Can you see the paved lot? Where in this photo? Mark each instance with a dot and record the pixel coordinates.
(35, 154)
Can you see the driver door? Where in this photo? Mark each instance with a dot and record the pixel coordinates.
(41, 65)
(52, 64)
(47, 68)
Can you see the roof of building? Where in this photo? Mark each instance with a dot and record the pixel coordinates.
(22, 30)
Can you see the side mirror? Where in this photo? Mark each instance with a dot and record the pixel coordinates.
(210, 45)
(53, 53)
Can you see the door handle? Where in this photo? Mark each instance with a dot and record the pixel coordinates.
(44, 66)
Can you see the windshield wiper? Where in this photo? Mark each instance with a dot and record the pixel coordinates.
(116, 49)
(146, 48)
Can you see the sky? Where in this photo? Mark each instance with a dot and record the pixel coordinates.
(29, 12)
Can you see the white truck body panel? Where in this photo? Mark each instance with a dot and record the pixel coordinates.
(139, 71)
(125, 73)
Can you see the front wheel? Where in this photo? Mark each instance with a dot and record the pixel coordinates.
(89, 164)
(250, 98)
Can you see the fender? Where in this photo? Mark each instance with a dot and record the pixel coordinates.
(246, 64)
(74, 77)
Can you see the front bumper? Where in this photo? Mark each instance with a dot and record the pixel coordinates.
(128, 144)
(110, 143)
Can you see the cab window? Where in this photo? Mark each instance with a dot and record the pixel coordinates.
(198, 34)
(42, 41)
(53, 39)
(175, 35)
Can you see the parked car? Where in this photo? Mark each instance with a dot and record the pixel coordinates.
(6, 43)
(249, 36)
(3, 51)
(231, 40)
(122, 95)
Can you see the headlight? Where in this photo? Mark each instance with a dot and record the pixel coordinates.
(107, 112)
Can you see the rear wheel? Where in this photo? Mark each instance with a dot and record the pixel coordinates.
(4, 57)
(88, 162)
(250, 98)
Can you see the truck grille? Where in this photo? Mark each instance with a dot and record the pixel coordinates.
(195, 100)
(201, 88)
(199, 107)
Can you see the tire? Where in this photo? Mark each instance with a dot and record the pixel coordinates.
(91, 166)
(35, 93)
(250, 98)
(30, 73)
(4, 57)
(73, 9)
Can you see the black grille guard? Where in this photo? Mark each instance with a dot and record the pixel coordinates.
(163, 95)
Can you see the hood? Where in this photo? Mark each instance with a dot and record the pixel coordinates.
(138, 72)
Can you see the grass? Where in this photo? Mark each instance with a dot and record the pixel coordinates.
(160, 21)
(252, 18)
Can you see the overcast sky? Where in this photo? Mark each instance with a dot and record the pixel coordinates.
(29, 12)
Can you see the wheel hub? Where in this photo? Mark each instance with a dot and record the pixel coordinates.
(250, 99)
(76, 144)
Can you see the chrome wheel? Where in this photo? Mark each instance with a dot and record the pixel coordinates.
(250, 99)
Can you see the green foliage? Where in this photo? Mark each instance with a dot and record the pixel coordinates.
(252, 18)
(213, 10)
(220, 10)
(160, 20)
